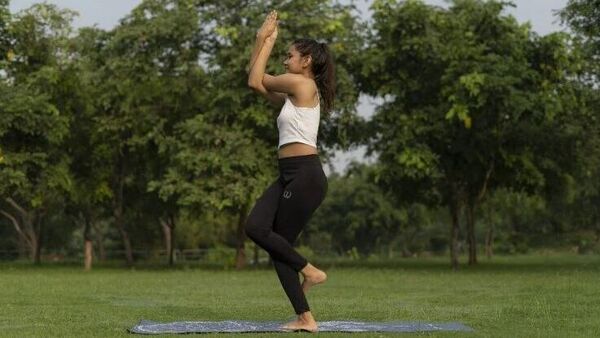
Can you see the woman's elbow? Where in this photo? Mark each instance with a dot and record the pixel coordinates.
(254, 81)
(256, 86)
(253, 84)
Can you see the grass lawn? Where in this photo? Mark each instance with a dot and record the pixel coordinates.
(524, 296)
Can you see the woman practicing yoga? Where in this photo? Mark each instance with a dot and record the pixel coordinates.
(288, 203)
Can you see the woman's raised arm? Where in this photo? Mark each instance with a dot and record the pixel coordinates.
(265, 40)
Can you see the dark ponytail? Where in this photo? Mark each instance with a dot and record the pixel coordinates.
(323, 68)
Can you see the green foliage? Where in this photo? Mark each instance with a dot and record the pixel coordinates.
(468, 63)
(359, 217)
(34, 120)
(583, 16)
(4, 35)
(221, 255)
(473, 101)
(518, 221)
(213, 166)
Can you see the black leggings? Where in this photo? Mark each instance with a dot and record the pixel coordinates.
(280, 214)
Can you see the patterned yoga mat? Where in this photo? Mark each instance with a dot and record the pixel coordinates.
(149, 327)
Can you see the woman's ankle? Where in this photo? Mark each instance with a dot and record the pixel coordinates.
(306, 317)
(307, 269)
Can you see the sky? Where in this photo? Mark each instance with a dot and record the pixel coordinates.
(106, 14)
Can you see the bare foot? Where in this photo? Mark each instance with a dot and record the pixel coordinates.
(312, 276)
(305, 322)
(298, 325)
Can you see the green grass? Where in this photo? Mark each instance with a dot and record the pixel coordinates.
(527, 296)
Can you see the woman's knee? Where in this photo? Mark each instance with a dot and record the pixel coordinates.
(254, 229)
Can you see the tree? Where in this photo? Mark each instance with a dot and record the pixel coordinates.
(583, 17)
(90, 190)
(471, 97)
(34, 121)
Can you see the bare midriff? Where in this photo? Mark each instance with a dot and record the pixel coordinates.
(296, 149)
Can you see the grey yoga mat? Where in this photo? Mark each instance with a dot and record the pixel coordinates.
(149, 327)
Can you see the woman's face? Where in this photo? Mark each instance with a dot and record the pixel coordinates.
(294, 62)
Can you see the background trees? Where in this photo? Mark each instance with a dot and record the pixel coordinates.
(583, 17)
(473, 101)
(120, 137)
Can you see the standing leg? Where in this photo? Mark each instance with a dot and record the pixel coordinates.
(300, 199)
(291, 285)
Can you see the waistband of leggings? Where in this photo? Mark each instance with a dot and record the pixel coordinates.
(302, 159)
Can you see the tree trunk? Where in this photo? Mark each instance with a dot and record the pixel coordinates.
(88, 254)
(168, 228)
(87, 244)
(172, 248)
(240, 256)
(471, 234)
(167, 232)
(37, 250)
(37, 218)
(471, 217)
(25, 242)
(29, 229)
(454, 240)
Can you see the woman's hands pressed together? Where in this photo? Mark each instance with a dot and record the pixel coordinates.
(265, 40)
(268, 30)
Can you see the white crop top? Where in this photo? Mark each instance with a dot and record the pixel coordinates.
(298, 124)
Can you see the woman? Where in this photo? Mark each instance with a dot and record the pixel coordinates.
(288, 203)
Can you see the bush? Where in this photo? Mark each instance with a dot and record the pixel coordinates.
(438, 245)
(221, 255)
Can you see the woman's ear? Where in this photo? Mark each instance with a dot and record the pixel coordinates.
(307, 60)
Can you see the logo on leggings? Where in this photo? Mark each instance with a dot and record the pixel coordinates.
(287, 194)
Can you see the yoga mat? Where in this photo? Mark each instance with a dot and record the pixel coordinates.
(150, 327)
